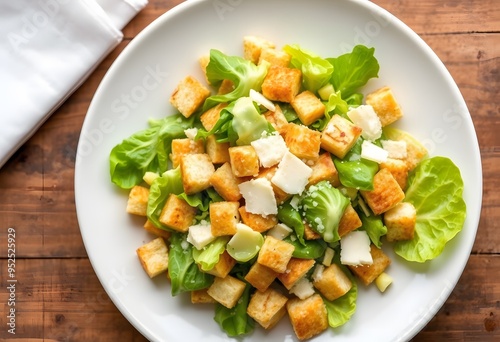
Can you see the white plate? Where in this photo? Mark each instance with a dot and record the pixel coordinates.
(137, 87)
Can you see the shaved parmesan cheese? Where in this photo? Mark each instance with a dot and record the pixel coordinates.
(372, 152)
(262, 100)
(355, 249)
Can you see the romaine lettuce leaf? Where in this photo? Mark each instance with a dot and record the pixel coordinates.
(146, 150)
(244, 74)
(374, 227)
(210, 254)
(316, 71)
(435, 188)
(353, 70)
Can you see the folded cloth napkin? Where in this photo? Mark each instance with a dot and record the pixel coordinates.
(47, 49)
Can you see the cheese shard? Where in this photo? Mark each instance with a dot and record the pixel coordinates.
(303, 289)
(292, 174)
(270, 149)
(200, 235)
(372, 152)
(395, 148)
(280, 231)
(259, 197)
(364, 116)
(355, 249)
(262, 100)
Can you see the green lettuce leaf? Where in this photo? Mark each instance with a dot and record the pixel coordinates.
(353, 70)
(244, 74)
(316, 71)
(291, 217)
(374, 227)
(169, 182)
(182, 269)
(435, 188)
(146, 150)
(210, 254)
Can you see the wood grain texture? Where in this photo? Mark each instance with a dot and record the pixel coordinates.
(59, 297)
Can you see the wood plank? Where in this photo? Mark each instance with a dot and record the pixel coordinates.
(62, 299)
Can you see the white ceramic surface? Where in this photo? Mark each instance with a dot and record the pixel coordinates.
(137, 87)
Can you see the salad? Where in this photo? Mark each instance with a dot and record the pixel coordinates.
(272, 188)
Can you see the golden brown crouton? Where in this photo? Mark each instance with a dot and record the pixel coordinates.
(385, 105)
(275, 254)
(253, 46)
(302, 141)
(276, 119)
(308, 107)
(218, 152)
(368, 273)
(257, 222)
(324, 169)
(196, 170)
(275, 57)
(150, 227)
(399, 170)
(339, 136)
(184, 146)
(415, 151)
(349, 221)
(223, 266)
(226, 183)
(309, 233)
(201, 297)
(223, 218)
(260, 276)
(203, 62)
(268, 173)
(244, 160)
(177, 214)
(137, 203)
(281, 84)
(332, 282)
(400, 222)
(153, 257)
(188, 96)
(226, 290)
(267, 307)
(295, 270)
(386, 192)
(308, 316)
(226, 86)
(210, 117)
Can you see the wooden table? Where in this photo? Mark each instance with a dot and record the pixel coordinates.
(59, 296)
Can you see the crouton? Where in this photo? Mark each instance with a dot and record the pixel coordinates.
(196, 170)
(386, 192)
(253, 46)
(137, 203)
(257, 222)
(267, 307)
(385, 105)
(260, 276)
(308, 316)
(309, 233)
(177, 214)
(188, 96)
(399, 170)
(223, 266)
(226, 183)
(275, 57)
(369, 272)
(153, 257)
(349, 221)
(302, 141)
(218, 152)
(151, 228)
(275, 254)
(295, 270)
(203, 62)
(308, 107)
(223, 217)
(415, 151)
(277, 119)
(332, 282)
(226, 86)
(281, 84)
(400, 222)
(339, 136)
(280, 195)
(210, 117)
(201, 297)
(184, 146)
(244, 161)
(226, 290)
(324, 169)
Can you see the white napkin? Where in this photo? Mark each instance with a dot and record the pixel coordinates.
(47, 49)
